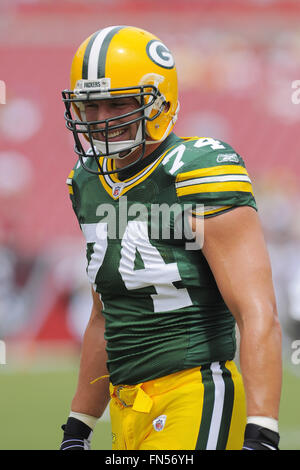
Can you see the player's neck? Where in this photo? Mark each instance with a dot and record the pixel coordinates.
(134, 156)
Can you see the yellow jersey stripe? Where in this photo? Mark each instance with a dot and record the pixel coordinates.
(213, 179)
(210, 211)
(215, 187)
(69, 182)
(212, 171)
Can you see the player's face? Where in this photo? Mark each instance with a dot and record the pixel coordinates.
(112, 108)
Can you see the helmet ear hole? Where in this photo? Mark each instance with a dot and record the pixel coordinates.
(167, 106)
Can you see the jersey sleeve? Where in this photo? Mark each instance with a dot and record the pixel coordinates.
(215, 182)
(70, 185)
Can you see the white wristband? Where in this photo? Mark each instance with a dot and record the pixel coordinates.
(264, 421)
(90, 421)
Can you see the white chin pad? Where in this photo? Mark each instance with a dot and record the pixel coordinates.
(114, 148)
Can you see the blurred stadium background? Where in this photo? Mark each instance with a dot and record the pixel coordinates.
(237, 60)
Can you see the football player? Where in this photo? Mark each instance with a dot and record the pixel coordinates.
(160, 343)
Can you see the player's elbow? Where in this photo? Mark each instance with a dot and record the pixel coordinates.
(261, 321)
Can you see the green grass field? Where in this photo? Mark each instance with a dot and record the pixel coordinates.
(35, 400)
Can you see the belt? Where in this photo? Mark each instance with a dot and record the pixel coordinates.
(131, 396)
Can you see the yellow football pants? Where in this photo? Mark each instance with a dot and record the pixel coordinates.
(200, 408)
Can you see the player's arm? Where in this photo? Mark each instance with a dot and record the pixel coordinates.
(235, 249)
(90, 400)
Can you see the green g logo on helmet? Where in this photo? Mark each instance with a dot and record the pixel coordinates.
(160, 54)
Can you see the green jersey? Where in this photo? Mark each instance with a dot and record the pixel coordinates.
(163, 310)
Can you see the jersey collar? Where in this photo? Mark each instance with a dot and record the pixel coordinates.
(117, 185)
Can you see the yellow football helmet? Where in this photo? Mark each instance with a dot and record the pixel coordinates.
(121, 61)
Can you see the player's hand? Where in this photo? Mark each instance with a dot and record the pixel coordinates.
(77, 435)
(259, 438)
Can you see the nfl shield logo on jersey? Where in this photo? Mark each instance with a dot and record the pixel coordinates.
(117, 189)
(159, 423)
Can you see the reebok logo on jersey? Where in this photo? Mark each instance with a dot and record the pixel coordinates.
(227, 157)
(159, 423)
